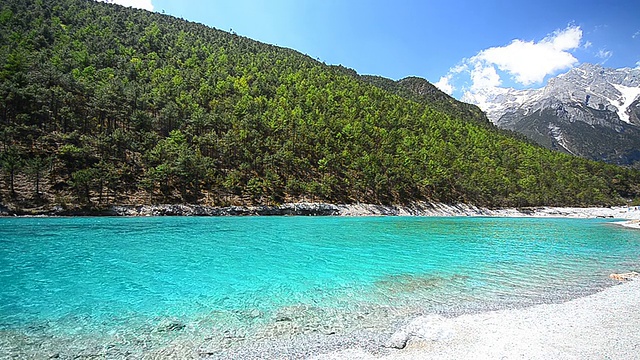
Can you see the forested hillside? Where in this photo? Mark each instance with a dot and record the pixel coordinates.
(101, 104)
(420, 90)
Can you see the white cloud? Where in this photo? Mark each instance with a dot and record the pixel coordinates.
(604, 55)
(529, 62)
(445, 85)
(637, 34)
(524, 62)
(459, 68)
(638, 64)
(480, 78)
(478, 98)
(140, 4)
(484, 77)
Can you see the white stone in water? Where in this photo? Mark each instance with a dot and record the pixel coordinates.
(430, 328)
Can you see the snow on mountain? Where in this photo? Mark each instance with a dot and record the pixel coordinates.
(629, 95)
(558, 136)
(592, 85)
(589, 111)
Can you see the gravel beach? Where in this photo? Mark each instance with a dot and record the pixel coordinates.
(634, 224)
(605, 325)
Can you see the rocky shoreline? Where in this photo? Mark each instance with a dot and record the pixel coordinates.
(324, 209)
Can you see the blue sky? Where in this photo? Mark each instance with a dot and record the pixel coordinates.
(458, 45)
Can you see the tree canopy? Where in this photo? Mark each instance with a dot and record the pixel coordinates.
(101, 104)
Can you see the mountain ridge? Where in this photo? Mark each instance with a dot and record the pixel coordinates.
(559, 116)
(421, 90)
(104, 105)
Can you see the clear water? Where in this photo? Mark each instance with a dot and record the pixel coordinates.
(100, 281)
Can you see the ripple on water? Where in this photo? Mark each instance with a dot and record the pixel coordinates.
(124, 287)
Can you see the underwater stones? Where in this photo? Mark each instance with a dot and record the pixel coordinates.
(172, 325)
(282, 317)
(426, 328)
(296, 320)
(290, 313)
(255, 313)
(325, 330)
(407, 283)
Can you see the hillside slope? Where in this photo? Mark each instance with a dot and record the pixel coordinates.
(420, 90)
(102, 104)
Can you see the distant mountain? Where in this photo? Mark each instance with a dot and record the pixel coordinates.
(590, 111)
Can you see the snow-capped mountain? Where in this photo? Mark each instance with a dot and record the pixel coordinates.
(589, 111)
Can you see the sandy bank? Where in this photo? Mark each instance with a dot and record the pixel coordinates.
(601, 326)
(416, 209)
(437, 209)
(634, 224)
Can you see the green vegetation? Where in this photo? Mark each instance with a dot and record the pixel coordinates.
(420, 90)
(101, 104)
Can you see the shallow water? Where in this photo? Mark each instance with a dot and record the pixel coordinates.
(117, 286)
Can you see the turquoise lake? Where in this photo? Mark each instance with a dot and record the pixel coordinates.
(73, 280)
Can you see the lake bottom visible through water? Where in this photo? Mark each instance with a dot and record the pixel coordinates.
(224, 287)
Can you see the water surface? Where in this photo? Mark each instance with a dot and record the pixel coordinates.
(105, 281)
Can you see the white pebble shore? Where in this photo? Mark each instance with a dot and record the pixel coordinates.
(605, 325)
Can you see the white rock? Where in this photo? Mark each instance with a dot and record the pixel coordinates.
(427, 328)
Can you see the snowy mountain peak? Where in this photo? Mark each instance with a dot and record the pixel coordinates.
(591, 85)
(589, 111)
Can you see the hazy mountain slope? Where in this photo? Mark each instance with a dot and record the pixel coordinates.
(101, 104)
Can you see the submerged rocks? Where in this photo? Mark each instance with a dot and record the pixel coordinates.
(171, 325)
